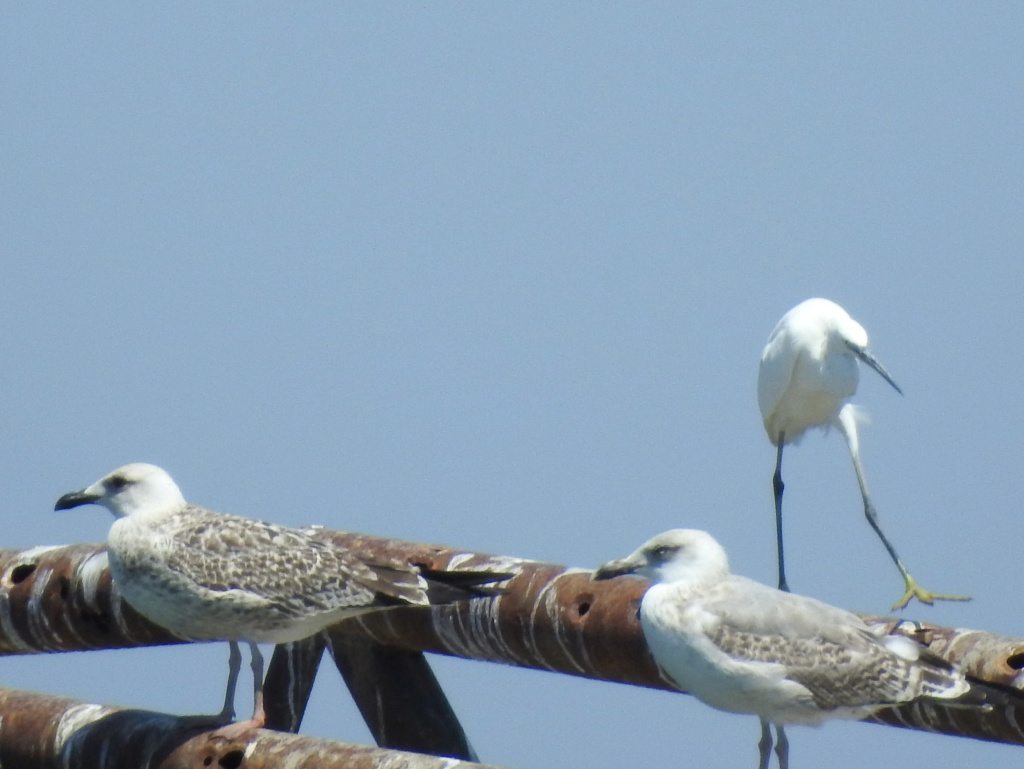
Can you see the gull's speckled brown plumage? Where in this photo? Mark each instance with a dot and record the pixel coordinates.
(208, 575)
(212, 576)
(744, 647)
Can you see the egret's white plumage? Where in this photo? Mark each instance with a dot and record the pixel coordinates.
(741, 646)
(211, 576)
(809, 370)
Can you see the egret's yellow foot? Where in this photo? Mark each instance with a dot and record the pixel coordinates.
(924, 596)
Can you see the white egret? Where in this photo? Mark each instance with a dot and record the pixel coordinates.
(808, 373)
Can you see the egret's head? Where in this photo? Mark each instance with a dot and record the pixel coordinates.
(850, 332)
(673, 556)
(855, 338)
(845, 335)
(824, 320)
(130, 489)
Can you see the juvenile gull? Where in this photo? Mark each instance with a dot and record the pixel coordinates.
(212, 576)
(741, 646)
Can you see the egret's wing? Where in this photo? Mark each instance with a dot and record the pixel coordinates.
(778, 361)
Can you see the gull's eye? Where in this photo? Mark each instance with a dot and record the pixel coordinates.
(662, 552)
(117, 483)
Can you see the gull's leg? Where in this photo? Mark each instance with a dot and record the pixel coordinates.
(242, 728)
(782, 747)
(848, 426)
(764, 746)
(777, 487)
(259, 717)
(228, 711)
(234, 665)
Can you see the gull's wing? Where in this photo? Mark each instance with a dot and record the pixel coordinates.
(829, 651)
(288, 568)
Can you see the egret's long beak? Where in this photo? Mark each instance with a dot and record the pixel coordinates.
(76, 498)
(872, 361)
(616, 568)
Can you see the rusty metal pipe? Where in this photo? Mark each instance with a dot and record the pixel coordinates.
(289, 682)
(39, 731)
(399, 698)
(550, 618)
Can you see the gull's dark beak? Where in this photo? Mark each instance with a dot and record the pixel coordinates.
(615, 569)
(74, 499)
(872, 361)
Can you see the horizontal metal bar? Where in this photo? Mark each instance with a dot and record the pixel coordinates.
(39, 731)
(549, 618)
(61, 599)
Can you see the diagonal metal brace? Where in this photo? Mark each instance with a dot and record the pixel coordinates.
(399, 697)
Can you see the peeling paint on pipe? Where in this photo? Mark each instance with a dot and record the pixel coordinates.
(40, 731)
(549, 618)
(60, 599)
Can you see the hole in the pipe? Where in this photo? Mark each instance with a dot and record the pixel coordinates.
(22, 572)
(98, 620)
(583, 608)
(1016, 661)
(232, 759)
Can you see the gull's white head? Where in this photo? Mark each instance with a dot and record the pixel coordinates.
(678, 555)
(134, 488)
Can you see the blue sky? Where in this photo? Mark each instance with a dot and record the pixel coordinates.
(498, 276)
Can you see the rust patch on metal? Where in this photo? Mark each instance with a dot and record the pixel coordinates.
(549, 617)
(38, 730)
